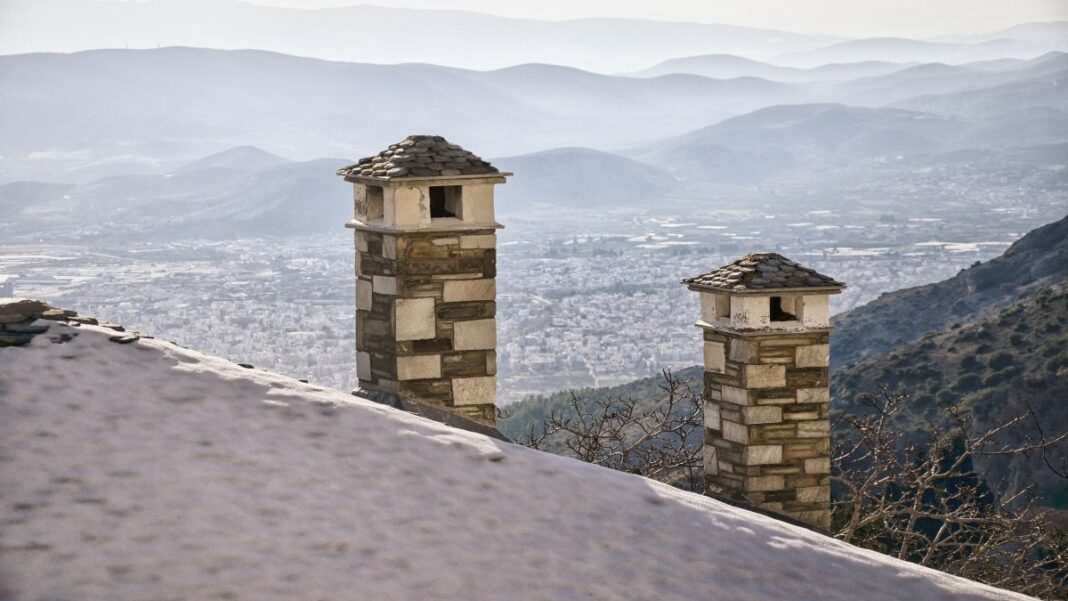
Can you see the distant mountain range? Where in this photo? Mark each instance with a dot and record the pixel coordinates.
(83, 116)
(373, 34)
(726, 66)
(245, 191)
(109, 112)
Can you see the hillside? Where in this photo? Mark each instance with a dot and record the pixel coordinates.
(777, 140)
(1033, 262)
(990, 365)
(580, 177)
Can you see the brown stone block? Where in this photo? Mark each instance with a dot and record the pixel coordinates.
(777, 433)
(779, 496)
(428, 251)
(371, 265)
(812, 377)
(489, 264)
(428, 267)
(432, 345)
(470, 265)
(466, 310)
(712, 336)
(374, 243)
(776, 352)
(464, 363)
(778, 341)
(800, 451)
(375, 327)
(780, 470)
(802, 481)
(440, 390)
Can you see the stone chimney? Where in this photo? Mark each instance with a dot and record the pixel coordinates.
(766, 325)
(426, 242)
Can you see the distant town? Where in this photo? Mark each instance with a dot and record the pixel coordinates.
(575, 308)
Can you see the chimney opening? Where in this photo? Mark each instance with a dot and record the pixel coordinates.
(779, 312)
(445, 201)
(374, 207)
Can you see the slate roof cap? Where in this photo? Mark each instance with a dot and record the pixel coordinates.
(758, 272)
(420, 156)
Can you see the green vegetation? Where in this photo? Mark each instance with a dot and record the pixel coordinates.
(993, 367)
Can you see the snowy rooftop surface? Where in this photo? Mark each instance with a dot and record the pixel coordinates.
(148, 471)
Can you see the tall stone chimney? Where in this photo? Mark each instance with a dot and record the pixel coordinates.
(426, 242)
(766, 325)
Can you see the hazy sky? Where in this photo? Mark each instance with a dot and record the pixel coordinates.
(847, 17)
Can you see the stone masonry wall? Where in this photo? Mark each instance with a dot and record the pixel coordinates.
(767, 427)
(426, 318)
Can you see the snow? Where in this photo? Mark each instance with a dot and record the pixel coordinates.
(148, 471)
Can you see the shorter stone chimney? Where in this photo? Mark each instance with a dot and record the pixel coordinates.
(766, 325)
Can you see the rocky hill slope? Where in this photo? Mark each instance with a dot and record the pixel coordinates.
(994, 366)
(1032, 263)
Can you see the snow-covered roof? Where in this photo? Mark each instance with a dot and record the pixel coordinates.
(135, 469)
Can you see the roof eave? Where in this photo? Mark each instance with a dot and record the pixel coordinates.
(499, 177)
(822, 289)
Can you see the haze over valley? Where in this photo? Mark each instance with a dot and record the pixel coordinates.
(190, 190)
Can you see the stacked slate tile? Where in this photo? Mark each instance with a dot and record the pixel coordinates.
(762, 271)
(420, 156)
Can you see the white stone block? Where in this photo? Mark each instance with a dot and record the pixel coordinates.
(711, 464)
(478, 203)
(813, 395)
(363, 366)
(714, 307)
(419, 367)
(363, 295)
(765, 376)
(469, 290)
(814, 355)
(734, 432)
(814, 494)
(474, 391)
(411, 206)
(389, 247)
(815, 311)
(763, 414)
(763, 454)
(361, 241)
(715, 357)
(385, 284)
(711, 414)
(765, 483)
(415, 319)
(820, 465)
(742, 350)
(479, 334)
(750, 311)
(734, 395)
(478, 241)
(815, 429)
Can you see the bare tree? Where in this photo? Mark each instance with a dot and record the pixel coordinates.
(918, 499)
(922, 501)
(659, 440)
